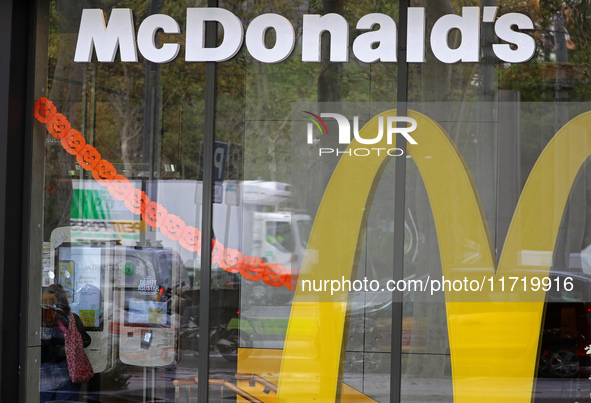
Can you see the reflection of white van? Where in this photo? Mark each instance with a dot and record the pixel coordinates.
(274, 237)
(280, 237)
(248, 217)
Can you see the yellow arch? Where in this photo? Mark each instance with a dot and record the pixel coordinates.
(493, 337)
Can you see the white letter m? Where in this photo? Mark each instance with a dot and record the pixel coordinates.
(105, 39)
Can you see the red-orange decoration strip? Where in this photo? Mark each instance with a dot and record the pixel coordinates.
(153, 213)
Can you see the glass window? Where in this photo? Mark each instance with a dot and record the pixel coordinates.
(331, 243)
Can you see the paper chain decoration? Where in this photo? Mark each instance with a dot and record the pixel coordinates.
(153, 213)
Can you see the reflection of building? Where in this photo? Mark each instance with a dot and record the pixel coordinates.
(281, 210)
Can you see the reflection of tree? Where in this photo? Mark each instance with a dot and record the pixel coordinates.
(105, 101)
(263, 98)
(64, 88)
(558, 74)
(436, 79)
(330, 79)
(561, 62)
(127, 116)
(262, 107)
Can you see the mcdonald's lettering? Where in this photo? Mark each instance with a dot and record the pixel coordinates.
(369, 47)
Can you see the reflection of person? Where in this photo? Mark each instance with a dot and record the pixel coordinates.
(55, 383)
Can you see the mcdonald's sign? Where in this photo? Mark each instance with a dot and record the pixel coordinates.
(502, 329)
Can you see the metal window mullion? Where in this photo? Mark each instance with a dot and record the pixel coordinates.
(207, 219)
(399, 208)
(18, 23)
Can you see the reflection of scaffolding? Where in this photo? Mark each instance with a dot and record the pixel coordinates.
(187, 384)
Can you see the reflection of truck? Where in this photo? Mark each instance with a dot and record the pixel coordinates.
(273, 237)
(280, 237)
(250, 216)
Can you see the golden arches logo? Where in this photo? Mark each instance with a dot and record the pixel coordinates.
(500, 331)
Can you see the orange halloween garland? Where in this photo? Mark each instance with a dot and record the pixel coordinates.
(154, 214)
